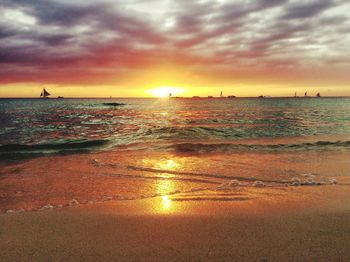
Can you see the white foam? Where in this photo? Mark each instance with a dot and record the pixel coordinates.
(296, 181)
(332, 181)
(73, 202)
(14, 211)
(107, 198)
(47, 207)
(310, 181)
(96, 162)
(120, 198)
(308, 175)
(234, 183)
(259, 184)
(222, 187)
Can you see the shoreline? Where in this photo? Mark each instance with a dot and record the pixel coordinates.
(95, 177)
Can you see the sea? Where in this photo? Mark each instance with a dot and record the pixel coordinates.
(221, 142)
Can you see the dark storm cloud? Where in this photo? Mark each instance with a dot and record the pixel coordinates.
(99, 36)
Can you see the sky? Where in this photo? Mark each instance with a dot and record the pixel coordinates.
(149, 47)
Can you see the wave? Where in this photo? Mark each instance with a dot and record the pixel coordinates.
(194, 180)
(194, 132)
(230, 147)
(113, 104)
(18, 151)
(182, 173)
(241, 181)
(218, 199)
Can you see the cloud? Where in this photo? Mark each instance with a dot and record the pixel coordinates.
(307, 9)
(90, 41)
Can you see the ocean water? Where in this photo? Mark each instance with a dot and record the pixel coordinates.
(58, 152)
(189, 125)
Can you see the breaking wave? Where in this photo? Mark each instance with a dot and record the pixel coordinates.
(18, 151)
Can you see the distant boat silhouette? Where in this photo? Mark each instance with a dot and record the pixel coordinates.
(221, 95)
(60, 97)
(44, 93)
(318, 95)
(305, 94)
(231, 97)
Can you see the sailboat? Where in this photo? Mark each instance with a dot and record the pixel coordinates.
(318, 95)
(44, 93)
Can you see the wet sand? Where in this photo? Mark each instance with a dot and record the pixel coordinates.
(58, 179)
(158, 229)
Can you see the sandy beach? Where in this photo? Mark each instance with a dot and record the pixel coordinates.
(158, 229)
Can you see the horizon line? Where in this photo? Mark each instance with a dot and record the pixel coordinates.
(174, 97)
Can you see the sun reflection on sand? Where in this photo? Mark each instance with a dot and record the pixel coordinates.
(164, 206)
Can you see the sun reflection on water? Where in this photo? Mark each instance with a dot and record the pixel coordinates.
(167, 185)
(166, 202)
(168, 164)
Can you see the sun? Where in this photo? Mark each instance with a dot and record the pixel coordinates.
(166, 91)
